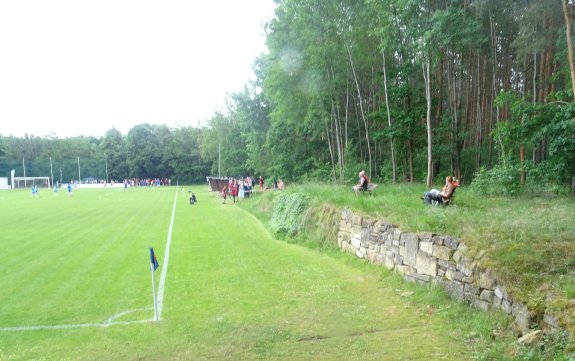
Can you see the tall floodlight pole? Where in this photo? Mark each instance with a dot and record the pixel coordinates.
(24, 166)
(51, 172)
(79, 177)
(219, 160)
(106, 157)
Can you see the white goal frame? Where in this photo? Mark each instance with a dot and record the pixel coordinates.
(25, 182)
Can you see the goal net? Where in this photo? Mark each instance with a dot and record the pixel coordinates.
(27, 182)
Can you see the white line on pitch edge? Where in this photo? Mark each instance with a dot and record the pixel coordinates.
(166, 259)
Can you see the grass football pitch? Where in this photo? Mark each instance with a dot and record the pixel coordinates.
(76, 284)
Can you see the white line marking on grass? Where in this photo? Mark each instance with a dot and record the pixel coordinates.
(107, 323)
(161, 287)
(110, 321)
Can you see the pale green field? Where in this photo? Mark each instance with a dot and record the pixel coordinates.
(232, 292)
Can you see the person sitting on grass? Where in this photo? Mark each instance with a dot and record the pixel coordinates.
(443, 197)
(363, 183)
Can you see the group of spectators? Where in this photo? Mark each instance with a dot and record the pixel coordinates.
(238, 187)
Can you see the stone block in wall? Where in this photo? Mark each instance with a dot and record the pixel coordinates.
(451, 242)
(487, 279)
(365, 233)
(348, 248)
(454, 289)
(486, 295)
(467, 279)
(399, 259)
(426, 247)
(437, 240)
(469, 298)
(522, 317)
(356, 220)
(469, 288)
(459, 254)
(442, 252)
(465, 269)
(397, 234)
(501, 293)
(375, 257)
(454, 275)
(400, 269)
(347, 214)
(506, 306)
(359, 254)
(376, 237)
(344, 236)
(422, 278)
(426, 236)
(411, 249)
(356, 240)
(497, 302)
(388, 261)
(425, 264)
(480, 304)
(380, 226)
(417, 280)
(440, 273)
(445, 264)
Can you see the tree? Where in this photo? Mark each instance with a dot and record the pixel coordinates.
(113, 147)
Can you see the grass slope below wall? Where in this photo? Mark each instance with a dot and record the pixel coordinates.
(529, 241)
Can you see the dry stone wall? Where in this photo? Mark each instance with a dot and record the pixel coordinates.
(432, 259)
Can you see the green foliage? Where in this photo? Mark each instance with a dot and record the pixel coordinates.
(287, 211)
(499, 180)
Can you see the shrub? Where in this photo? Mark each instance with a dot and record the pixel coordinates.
(287, 211)
(499, 180)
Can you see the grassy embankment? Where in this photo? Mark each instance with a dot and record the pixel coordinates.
(529, 241)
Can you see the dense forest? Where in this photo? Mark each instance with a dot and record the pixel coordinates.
(408, 90)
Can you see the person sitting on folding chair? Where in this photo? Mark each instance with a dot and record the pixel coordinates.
(436, 197)
(363, 183)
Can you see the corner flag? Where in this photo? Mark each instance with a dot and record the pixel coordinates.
(153, 259)
(154, 266)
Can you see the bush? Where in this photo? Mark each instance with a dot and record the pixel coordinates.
(499, 180)
(287, 211)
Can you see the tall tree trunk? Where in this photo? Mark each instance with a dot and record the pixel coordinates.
(393, 164)
(331, 156)
(425, 65)
(568, 29)
(363, 117)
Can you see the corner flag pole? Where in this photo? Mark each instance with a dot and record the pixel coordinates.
(153, 265)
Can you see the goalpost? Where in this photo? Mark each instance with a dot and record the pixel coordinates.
(25, 182)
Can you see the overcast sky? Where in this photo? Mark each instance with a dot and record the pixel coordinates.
(78, 67)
